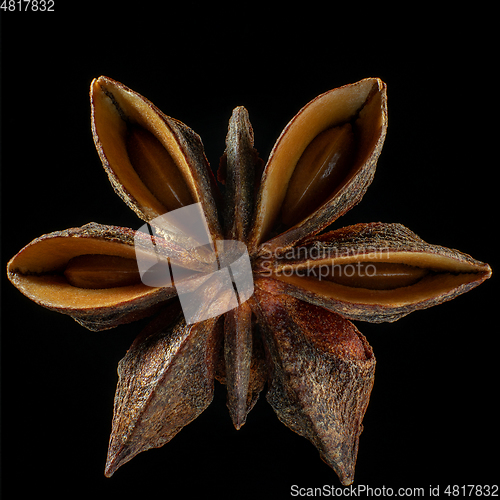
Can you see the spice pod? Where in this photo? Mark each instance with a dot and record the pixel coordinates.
(321, 165)
(155, 164)
(374, 272)
(281, 316)
(166, 380)
(91, 274)
(322, 377)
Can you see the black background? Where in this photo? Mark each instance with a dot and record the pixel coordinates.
(433, 415)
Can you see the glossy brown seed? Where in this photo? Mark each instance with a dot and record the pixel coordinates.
(102, 271)
(324, 163)
(371, 275)
(156, 168)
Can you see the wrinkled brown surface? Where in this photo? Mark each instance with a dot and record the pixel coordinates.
(238, 165)
(294, 332)
(165, 382)
(245, 368)
(450, 272)
(323, 371)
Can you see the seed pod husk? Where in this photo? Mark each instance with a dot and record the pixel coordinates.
(155, 164)
(165, 382)
(322, 374)
(363, 105)
(437, 274)
(38, 272)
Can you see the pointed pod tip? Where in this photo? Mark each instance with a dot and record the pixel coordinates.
(103, 83)
(118, 455)
(95, 88)
(487, 271)
(109, 469)
(343, 468)
(347, 481)
(108, 472)
(116, 459)
(96, 82)
(238, 417)
(240, 111)
(239, 124)
(103, 79)
(239, 424)
(111, 464)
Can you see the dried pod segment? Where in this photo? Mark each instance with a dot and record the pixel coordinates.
(165, 382)
(244, 363)
(321, 165)
(244, 367)
(322, 374)
(237, 170)
(375, 272)
(155, 163)
(90, 273)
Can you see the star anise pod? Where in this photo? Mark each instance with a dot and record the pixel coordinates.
(294, 332)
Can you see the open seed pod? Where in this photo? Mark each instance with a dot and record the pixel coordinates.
(375, 272)
(156, 164)
(287, 294)
(91, 274)
(321, 165)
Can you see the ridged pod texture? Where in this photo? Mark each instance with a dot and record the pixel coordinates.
(294, 333)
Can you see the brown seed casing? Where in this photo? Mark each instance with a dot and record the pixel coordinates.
(294, 333)
(371, 275)
(121, 121)
(38, 272)
(323, 372)
(101, 271)
(436, 274)
(364, 106)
